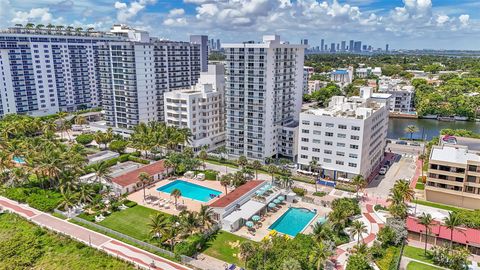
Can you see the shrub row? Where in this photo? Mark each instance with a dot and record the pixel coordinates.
(43, 200)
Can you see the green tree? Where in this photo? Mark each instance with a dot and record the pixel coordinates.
(247, 249)
(411, 129)
(319, 253)
(426, 220)
(256, 165)
(452, 222)
(225, 181)
(205, 216)
(145, 179)
(176, 193)
(357, 229)
(359, 182)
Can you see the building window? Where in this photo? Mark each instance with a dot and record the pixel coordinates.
(317, 124)
(354, 137)
(327, 160)
(352, 155)
(341, 135)
(305, 131)
(328, 143)
(339, 162)
(316, 149)
(340, 144)
(305, 122)
(355, 128)
(353, 146)
(342, 126)
(341, 154)
(316, 141)
(317, 132)
(305, 140)
(304, 148)
(328, 152)
(304, 156)
(329, 134)
(354, 165)
(329, 125)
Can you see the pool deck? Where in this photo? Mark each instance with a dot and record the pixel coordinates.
(190, 204)
(273, 216)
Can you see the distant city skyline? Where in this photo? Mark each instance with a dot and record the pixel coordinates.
(406, 24)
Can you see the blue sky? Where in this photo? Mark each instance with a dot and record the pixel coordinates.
(439, 24)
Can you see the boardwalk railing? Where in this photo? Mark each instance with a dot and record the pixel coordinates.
(126, 237)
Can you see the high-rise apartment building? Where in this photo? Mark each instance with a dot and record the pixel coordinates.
(47, 70)
(201, 108)
(263, 97)
(344, 44)
(332, 47)
(346, 139)
(202, 40)
(137, 71)
(322, 44)
(351, 46)
(357, 46)
(219, 46)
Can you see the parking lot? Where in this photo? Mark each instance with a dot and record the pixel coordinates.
(402, 168)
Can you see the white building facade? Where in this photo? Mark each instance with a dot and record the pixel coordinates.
(47, 70)
(345, 139)
(367, 71)
(342, 76)
(402, 94)
(264, 86)
(136, 73)
(201, 108)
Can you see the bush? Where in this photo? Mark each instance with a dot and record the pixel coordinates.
(87, 217)
(129, 203)
(346, 187)
(84, 139)
(388, 259)
(118, 146)
(319, 193)
(123, 158)
(111, 162)
(135, 154)
(189, 246)
(138, 160)
(45, 201)
(379, 207)
(299, 191)
(16, 194)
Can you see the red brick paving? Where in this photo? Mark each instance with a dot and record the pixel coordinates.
(418, 171)
(17, 209)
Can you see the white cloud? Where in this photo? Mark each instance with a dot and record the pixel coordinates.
(464, 19)
(125, 12)
(175, 22)
(176, 12)
(442, 19)
(36, 15)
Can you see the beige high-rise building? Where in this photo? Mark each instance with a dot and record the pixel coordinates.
(454, 176)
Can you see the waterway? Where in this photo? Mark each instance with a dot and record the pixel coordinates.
(430, 128)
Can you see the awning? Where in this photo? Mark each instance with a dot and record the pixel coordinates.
(246, 211)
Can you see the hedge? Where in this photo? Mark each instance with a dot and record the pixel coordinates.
(43, 200)
(129, 203)
(138, 160)
(84, 139)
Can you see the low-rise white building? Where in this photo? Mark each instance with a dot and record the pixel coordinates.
(343, 76)
(365, 72)
(402, 94)
(346, 139)
(200, 108)
(315, 86)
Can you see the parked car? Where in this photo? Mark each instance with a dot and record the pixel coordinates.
(389, 141)
(401, 142)
(383, 170)
(415, 144)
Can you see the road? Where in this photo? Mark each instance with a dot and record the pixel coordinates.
(116, 248)
(403, 168)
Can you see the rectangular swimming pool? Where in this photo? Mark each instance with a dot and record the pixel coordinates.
(294, 221)
(190, 190)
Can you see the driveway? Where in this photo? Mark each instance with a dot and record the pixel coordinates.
(403, 168)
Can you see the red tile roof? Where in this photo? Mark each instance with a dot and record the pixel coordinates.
(132, 177)
(236, 194)
(460, 234)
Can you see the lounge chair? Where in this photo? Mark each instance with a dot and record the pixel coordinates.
(232, 267)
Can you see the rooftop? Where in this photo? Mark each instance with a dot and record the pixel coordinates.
(460, 234)
(454, 154)
(353, 107)
(236, 194)
(340, 72)
(132, 176)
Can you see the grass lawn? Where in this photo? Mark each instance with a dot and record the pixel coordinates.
(420, 186)
(23, 245)
(132, 222)
(388, 258)
(221, 164)
(420, 266)
(416, 253)
(437, 205)
(225, 247)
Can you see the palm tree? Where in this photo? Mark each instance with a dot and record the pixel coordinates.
(102, 172)
(319, 253)
(411, 129)
(225, 181)
(398, 208)
(314, 167)
(403, 187)
(68, 200)
(272, 169)
(359, 182)
(242, 161)
(452, 222)
(427, 221)
(189, 222)
(256, 165)
(203, 155)
(357, 229)
(247, 249)
(157, 224)
(85, 194)
(176, 193)
(286, 181)
(145, 179)
(29, 25)
(205, 216)
(322, 232)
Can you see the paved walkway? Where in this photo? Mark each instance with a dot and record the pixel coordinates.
(99, 241)
(374, 223)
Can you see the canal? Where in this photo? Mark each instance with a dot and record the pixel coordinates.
(396, 127)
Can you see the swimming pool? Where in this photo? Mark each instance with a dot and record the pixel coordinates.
(19, 160)
(293, 221)
(191, 191)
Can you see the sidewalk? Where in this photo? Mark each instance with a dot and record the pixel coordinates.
(139, 257)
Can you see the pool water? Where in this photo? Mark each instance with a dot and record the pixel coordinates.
(191, 191)
(18, 160)
(293, 221)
